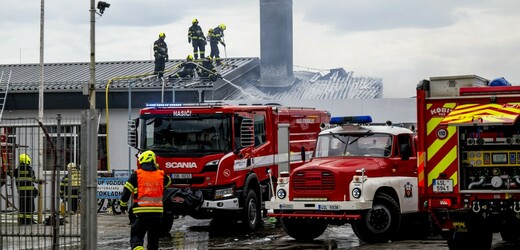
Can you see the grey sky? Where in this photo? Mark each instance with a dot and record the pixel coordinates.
(400, 41)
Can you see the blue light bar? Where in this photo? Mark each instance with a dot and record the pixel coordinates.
(340, 120)
(163, 105)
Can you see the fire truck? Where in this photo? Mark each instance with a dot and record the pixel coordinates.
(469, 151)
(459, 173)
(360, 173)
(232, 153)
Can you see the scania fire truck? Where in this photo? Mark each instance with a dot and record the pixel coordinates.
(460, 172)
(228, 151)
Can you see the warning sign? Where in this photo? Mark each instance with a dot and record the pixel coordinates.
(110, 188)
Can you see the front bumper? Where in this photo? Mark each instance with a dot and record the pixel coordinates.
(332, 209)
(229, 204)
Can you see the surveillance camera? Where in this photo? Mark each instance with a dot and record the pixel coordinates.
(102, 6)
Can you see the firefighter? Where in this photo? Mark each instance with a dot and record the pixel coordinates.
(150, 182)
(188, 68)
(70, 186)
(25, 178)
(208, 69)
(217, 37)
(160, 52)
(197, 39)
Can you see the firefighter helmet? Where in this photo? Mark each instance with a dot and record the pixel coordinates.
(71, 166)
(195, 20)
(25, 159)
(147, 156)
(222, 26)
(162, 34)
(189, 58)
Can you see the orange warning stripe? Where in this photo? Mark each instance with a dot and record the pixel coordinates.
(492, 113)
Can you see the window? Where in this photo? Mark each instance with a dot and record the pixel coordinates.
(260, 135)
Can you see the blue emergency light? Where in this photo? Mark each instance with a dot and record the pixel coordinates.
(340, 120)
(163, 105)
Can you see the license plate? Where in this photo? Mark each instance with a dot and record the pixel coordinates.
(286, 206)
(443, 186)
(180, 176)
(329, 207)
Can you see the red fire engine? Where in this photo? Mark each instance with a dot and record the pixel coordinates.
(465, 179)
(226, 151)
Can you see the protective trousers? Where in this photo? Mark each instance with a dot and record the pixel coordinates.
(199, 47)
(146, 223)
(160, 62)
(215, 53)
(26, 203)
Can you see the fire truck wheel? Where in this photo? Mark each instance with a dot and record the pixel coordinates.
(473, 239)
(252, 212)
(510, 234)
(166, 224)
(380, 223)
(303, 230)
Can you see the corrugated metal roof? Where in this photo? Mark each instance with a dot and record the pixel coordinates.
(63, 77)
(70, 77)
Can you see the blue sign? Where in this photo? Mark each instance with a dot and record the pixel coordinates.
(110, 188)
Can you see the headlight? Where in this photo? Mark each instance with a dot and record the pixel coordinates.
(281, 194)
(224, 192)
(356, 193)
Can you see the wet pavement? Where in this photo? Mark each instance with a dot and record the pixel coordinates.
(188, 233)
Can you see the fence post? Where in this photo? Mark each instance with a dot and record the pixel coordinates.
(89, 158)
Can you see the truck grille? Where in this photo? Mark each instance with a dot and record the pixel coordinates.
(316, 180)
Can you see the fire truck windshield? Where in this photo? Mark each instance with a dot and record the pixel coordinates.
(203, 133)
(369, 144)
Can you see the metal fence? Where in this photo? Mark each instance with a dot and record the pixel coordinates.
(47, 217)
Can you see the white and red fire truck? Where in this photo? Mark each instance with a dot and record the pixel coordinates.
(226, 151)
(360, 173)
(460, 172)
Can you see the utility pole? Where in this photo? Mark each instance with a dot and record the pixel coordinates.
(40, 109)
(89, 149)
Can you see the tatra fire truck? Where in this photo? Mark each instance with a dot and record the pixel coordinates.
(460, 171)
(360, 173)
(232, 153)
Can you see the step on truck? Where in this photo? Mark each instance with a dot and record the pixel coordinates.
(459, 174)
(232, 153)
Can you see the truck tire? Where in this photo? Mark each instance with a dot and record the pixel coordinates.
(303, 230)
(251, 212)
(473, 239)
(510, 235)
(166, 224)
(381, 222)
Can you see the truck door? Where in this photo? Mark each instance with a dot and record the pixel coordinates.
(407, 165)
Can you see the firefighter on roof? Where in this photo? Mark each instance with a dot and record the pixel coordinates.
(217, 37)
(197, 39)
(208, 70)
(150, 182)
(160, 52)
(25, 180)
(188, 68)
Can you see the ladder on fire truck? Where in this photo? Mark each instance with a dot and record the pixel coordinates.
(6, 179)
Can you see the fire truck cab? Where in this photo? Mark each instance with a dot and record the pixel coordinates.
(360, 173)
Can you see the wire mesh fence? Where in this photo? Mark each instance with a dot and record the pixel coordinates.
(39, 194)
